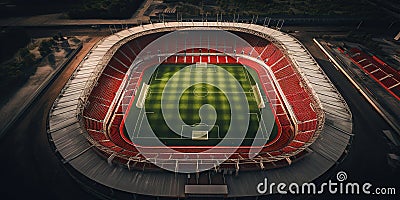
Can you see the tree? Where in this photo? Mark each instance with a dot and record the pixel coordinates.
(52, 59)
(23, 52)
(45, 47)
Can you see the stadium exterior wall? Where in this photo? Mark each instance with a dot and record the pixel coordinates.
(69, 139)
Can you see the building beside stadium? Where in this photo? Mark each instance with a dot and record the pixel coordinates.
(183, 109)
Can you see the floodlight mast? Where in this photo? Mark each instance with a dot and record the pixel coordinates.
(279, 24)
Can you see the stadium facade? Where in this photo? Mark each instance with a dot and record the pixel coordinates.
(87, 124)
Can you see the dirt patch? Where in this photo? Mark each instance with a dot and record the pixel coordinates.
(46, 67)
(23, 94)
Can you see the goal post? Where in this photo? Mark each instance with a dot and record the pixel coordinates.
(200, 131)
(201, 65)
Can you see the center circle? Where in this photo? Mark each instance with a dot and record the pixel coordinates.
(200, 91)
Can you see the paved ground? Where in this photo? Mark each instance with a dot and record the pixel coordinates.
(366, 160)
(386, 101)
(139, 14)
(27, 90)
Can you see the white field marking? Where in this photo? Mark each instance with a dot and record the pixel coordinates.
(141, 121)
(247, 75)
(248, 79)
(194, 69)
(196, 93)
(136, 124)
(265, 129)
(148, 95)
(262, 124)
(207, 92)
(214, 126)
(156, 76)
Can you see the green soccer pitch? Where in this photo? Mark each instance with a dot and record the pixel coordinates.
(190, 101)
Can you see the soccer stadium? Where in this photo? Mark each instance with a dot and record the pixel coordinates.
(196, 109)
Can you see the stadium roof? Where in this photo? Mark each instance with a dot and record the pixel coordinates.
(69, 140)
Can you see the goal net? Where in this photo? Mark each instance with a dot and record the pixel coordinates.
(199, 135)
(201, 65)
